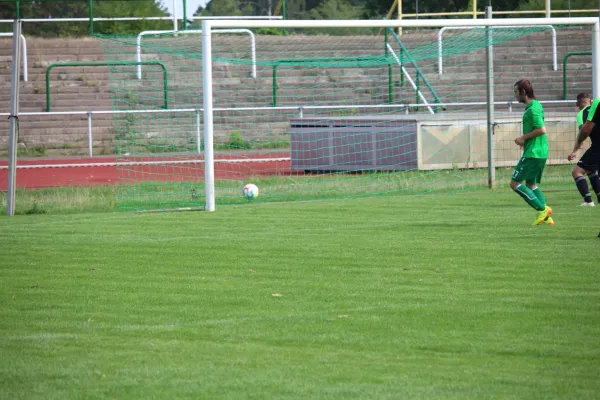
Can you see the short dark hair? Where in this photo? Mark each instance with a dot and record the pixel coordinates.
(583, 96)
(524, 85)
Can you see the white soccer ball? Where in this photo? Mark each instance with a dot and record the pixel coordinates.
(250, 191)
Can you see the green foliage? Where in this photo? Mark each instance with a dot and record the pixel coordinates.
(560, 5)
(131, 99)
(79, 9)
(236, 141)
(35, 151)
(269, 31)
(347, 112)
(341, 9)
(303, 9)
(35, 209)
(379, 8)
(225, 7)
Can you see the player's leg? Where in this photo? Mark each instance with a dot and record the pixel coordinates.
(595, 182)
(533, 181)
(540, 195)
(586, 165)
(525, 171)
(593, 177)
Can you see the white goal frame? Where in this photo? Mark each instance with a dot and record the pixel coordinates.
(209, 25)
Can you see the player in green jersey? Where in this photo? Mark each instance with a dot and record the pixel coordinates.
(535, 152)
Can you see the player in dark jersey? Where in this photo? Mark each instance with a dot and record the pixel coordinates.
(590, 161)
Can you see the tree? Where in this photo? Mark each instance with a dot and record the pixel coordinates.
(560, 5)
(379, 8)
(296, 9)
(135, 8)
(79, 9)
(338, 9)
(230, 8)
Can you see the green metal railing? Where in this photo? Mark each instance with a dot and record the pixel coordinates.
(108, 64)
(358, 62)
(420, 75)
(574, 53)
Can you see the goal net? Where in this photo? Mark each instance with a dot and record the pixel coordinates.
(326, 111)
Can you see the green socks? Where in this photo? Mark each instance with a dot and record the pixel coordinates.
(538, 193)
(531, 197)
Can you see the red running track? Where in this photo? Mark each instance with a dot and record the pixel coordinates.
(45, 173)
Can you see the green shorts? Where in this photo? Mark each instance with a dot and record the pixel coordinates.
(529, 170)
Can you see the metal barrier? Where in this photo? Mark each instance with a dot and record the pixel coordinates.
(138, 53)
(24, 46)
(107, 64)
(441, 31)
(574, 53)
(300, 109)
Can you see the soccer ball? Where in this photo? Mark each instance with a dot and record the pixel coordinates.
(250, 191)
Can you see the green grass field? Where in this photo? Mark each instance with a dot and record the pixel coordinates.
(428, 297)
(149, 195)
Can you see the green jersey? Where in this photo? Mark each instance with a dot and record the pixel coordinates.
(594, 113)
(579, 118)
(533, 119)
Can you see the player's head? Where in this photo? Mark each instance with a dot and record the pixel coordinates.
(583, 100)
(523, 90)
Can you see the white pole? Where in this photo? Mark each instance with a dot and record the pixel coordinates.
(14, 120)
(490, 102)
(440, 57)
(138, 56)
(548, 9)
(198, 138)
(207, 93)
(89, 115)
(596, 59)
(253, 53)
(554, 49)
(23, 51)
(175, 15)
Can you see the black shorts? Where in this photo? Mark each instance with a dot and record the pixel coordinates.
(590, 161)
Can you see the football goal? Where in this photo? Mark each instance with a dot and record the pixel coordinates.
(339, 109)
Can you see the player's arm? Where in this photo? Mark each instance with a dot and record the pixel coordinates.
(534, 133)
(581, 117)
(584, 133)
(581, 136)
(579, 139)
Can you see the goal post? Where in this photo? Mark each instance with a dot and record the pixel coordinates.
(207, 26)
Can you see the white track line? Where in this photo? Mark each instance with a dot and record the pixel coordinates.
(134, 163)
